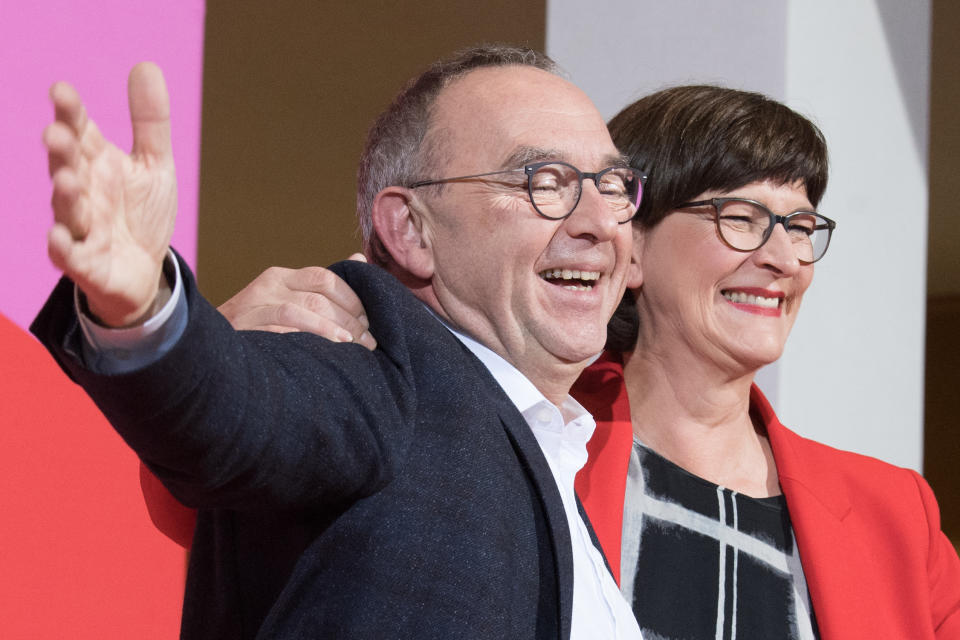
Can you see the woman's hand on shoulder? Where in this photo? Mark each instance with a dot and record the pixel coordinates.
(310, 299)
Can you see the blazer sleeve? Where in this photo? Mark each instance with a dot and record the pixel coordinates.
(943, 570)
(250, 419)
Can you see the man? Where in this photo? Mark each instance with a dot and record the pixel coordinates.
(424, 489)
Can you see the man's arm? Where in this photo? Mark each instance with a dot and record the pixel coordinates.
(311, 299)
(113, 212)
(223, 418)
(256, 420)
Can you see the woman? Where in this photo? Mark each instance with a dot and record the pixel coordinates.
(718, 521)
(728, 519)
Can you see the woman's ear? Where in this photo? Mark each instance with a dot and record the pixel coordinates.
(401, 228)
(634, 271)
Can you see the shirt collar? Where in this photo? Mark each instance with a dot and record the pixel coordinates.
(522, 393)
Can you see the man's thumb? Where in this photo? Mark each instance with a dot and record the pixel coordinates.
(149, 110)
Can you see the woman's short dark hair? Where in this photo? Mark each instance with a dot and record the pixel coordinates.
(698, 138)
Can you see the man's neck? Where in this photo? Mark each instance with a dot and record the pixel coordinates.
(552, 379)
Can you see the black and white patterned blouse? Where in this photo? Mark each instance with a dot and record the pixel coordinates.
(702, 562)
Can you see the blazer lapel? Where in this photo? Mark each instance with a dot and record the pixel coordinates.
(554, 542)
(545, 488)
(819, 505)
(595, 540)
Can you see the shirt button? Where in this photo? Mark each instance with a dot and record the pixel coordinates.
(544, 415)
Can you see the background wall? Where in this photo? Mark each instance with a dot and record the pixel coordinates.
(853, 372)
(942, 402)
(859, 371)
(289, 92)
(289, 95)
(79, 555)
(93, 44)
(848, 330)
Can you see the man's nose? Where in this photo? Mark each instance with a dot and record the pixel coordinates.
(593, 216)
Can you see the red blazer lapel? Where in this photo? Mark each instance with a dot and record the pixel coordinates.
(818, 503)
(602, 483)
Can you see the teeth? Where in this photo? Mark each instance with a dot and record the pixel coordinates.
(569, 274)
(746, 298)
(578, 278)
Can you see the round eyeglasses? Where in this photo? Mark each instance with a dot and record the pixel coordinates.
(745, 225)
(555, 187)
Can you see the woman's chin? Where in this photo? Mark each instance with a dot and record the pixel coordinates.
(756, 356)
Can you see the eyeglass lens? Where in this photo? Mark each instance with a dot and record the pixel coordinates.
(744, 225)
(555, 190)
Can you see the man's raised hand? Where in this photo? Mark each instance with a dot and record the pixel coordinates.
(113, 212)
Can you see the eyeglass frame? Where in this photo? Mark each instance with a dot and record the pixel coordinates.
(775, 219)
(531, 169)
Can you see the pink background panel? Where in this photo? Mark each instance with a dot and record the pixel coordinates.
(80, 556)
(92, 45)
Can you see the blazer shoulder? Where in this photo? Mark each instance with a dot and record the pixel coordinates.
(865, 475)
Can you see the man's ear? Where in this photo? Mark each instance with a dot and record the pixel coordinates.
(400, 227)
(634, 271)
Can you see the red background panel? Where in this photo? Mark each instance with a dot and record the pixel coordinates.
(79, 556)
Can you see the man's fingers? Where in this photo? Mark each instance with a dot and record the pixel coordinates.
(67, 205)
(72, 136)
(149, 111)
(62, 146)
(68, 107)
(72, 257)
(60, 247)
(357, 257)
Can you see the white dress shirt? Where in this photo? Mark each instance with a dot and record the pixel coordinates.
(599, 609)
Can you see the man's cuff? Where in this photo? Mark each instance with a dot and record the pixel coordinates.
(114, 351)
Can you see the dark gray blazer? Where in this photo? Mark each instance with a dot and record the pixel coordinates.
(342, 493)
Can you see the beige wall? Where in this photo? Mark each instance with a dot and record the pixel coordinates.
(289, 91)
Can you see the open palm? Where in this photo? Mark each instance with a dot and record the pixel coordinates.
(113, 212)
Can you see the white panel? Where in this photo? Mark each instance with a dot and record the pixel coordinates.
(853, 372)
(852, 375)
(619, 50)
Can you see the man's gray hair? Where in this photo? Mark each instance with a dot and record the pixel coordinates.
(395, 153)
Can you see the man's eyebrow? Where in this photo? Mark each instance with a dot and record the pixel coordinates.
(616, 160)
(525, 155)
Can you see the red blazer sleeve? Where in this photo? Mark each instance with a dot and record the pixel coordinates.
(876, 562)
(173, 519)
